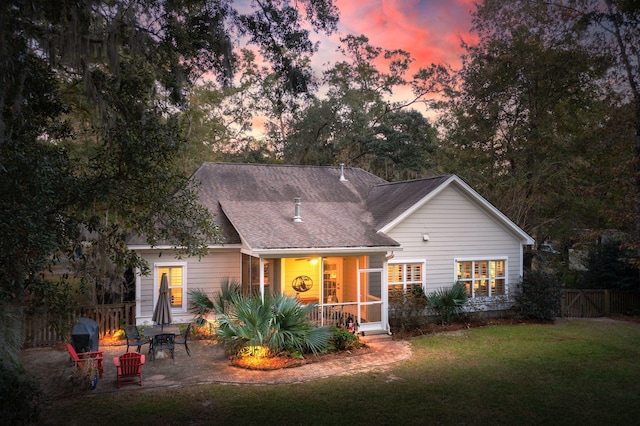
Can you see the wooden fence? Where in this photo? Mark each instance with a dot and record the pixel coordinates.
(598, 303)
(110, 318)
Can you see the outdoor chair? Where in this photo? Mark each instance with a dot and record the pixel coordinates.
(134, 338)
(162, 342)
(182, 340)
(87, 357)
(129, 368)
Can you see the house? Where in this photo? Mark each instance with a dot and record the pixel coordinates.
(343, 238)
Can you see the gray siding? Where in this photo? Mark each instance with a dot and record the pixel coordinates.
(457, 228)
(204, 274)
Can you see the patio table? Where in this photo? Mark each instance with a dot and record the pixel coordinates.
(156, 329)
(152, 332)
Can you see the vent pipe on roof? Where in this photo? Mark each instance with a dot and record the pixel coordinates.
(297, 217)
(342, 178)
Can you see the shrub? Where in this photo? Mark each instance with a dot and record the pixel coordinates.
(540, 296)
(407, 309)
(292, 329)
(83, 379)
(202, 306)
(448, 302)
(279, 323)
(610, 265)
(344, 340)
(19, 396)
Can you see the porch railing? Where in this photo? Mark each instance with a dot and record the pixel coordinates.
(336, 314)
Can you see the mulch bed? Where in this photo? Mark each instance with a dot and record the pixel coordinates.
(270, 363)
(280, 362)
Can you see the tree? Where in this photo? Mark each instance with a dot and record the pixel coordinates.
(521, 123)
(89, 132)
(608, 266)
(357, 124)
(218, 121)
(614, 29)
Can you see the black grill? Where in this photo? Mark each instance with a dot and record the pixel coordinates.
(85, 335)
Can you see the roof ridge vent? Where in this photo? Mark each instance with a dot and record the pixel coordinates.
(342, 178)
(297, 217)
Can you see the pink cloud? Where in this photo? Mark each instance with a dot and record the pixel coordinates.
(429, 29)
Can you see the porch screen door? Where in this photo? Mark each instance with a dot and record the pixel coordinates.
(370, 286)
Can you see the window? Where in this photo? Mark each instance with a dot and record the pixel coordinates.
(402, 276)
(251, 275)
(482, 278)
(177, 283)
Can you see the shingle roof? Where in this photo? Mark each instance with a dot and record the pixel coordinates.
(258, 200)
(254, 204)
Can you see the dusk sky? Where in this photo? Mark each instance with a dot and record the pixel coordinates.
(429, 29)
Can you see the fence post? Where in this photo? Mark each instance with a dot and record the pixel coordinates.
(607, 303)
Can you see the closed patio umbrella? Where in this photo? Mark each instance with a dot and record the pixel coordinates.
(162, 312)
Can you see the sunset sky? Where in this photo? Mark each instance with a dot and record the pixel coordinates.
(429, 29)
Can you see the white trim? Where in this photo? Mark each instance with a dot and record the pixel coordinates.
(156, 288)
(261, 268)
(138, 293)
(320, 252)
(505, 259)
(480, 258)
(381, 325)
(423, 262)
(521, 272)
(407, 260)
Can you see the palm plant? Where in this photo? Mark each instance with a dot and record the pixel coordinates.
(201, 305)
(448, 302)
(292, 329)
(246, 322)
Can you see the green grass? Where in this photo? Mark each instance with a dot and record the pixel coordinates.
(579, 372)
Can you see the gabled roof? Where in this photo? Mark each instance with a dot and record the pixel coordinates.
(254, 205)
(389, 201)
(409, 196)
(258, 200)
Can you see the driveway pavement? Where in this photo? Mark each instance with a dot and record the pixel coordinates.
(208, 364)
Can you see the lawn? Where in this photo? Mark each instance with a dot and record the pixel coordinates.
(575, 372)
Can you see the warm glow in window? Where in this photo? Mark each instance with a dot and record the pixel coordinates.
(482, 277)
(175, 278)
(401, 276)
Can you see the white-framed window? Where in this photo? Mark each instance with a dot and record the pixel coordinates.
(177, 280)
(403, 276)
(484, 277)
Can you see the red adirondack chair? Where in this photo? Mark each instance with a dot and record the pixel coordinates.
(79, 360)
(129, 368)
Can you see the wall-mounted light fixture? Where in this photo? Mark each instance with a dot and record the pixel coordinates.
(425, 237)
